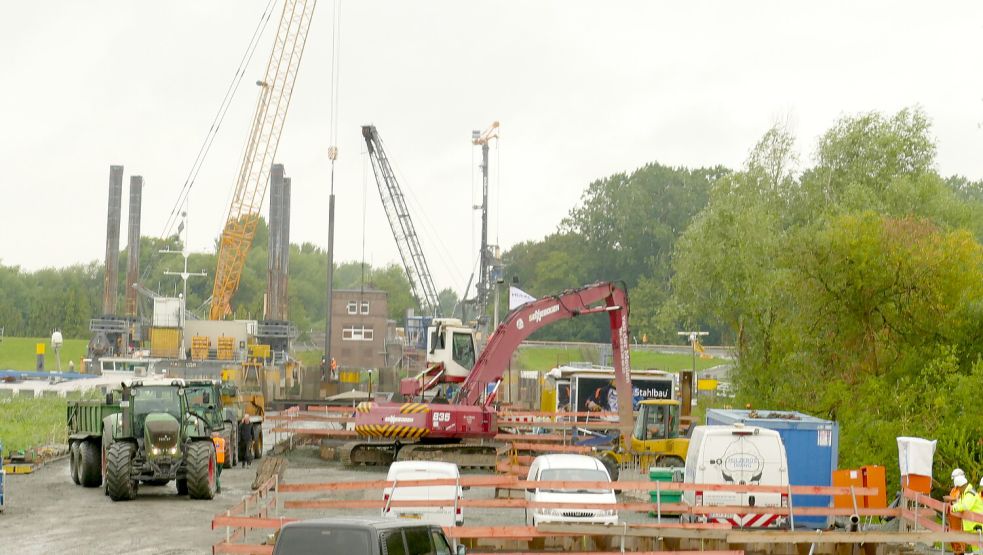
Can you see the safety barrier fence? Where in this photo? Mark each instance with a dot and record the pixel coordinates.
(922, 518)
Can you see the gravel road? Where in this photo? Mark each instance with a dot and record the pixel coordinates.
(47, 513)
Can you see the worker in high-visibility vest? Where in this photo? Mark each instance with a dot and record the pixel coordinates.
(967, 501)
(219, 442)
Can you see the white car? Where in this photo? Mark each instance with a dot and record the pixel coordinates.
(403, 471)
(570, 468)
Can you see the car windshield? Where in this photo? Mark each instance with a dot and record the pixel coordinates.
(304, 540)
(574, 475)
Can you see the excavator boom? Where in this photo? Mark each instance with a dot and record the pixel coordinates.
(470, 414)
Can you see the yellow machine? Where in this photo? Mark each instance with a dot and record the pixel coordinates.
(247, 400)
(655, 439)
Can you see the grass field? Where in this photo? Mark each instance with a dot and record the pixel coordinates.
(26, 423)
(549, 357)
(17, 353)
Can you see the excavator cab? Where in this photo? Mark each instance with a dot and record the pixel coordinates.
(452, 343)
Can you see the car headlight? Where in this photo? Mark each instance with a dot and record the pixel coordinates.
(155, 451)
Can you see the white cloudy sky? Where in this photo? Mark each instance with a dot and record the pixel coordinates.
(583, 90)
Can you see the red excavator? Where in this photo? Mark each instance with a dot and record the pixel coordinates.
(429, 431)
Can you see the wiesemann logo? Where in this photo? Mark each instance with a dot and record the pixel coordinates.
(543, 312)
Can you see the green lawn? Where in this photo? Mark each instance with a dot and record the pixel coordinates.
(531, 358)
(26, 423)
(17, 353)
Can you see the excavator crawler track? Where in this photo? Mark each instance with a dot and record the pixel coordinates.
(462, 454)
(371, 454)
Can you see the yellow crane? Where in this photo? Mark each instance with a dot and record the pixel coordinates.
(276, 89)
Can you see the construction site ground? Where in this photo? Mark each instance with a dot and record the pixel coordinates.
(47, 513)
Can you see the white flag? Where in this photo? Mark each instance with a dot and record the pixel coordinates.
(518, 297)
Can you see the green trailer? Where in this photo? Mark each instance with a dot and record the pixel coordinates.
(87, 429)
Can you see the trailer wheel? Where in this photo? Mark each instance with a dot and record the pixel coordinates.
(230, 451)
(201, 470)
(73, 461)
(119, 461)
(89, 465)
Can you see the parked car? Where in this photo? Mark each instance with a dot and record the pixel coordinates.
(402, 471)
(362, 536)
(570, 468)
(737, 454)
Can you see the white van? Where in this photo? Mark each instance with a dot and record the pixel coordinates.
(737, 454)
(570, 468)
(403, 471)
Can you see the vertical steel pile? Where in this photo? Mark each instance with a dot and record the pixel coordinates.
(275, 256)
(110, 282)
(284, 247)
(133, 244)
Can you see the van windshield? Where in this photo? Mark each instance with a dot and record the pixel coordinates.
(574, 475)
(303, 540)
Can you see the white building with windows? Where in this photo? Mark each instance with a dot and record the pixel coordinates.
(358, 327)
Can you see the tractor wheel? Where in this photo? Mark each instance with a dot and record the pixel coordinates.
(119, 461)
(201, 470)
(611, 464)
(229, 449)
(258, 440)
(89, 465)
(182, 486)
(73, 462)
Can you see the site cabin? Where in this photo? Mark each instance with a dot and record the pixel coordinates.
(125, 368)
(741, 455)
(568, 388)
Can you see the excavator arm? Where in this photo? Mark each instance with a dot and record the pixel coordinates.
(608, 297)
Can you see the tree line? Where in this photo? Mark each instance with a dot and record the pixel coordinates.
(33, 304)
(851, 287)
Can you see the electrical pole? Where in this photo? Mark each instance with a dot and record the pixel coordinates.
(686, 377)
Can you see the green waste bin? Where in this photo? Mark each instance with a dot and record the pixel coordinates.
(665, 475)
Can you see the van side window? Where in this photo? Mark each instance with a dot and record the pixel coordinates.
(418, 541)
(392, 543)
(440, 543)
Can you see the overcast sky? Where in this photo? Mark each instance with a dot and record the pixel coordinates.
(582, 90)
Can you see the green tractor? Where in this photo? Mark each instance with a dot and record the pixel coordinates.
(158, 437)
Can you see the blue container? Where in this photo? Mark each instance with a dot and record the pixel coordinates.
(811, 444)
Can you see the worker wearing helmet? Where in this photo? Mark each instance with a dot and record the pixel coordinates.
(966, 500)
(219, 442)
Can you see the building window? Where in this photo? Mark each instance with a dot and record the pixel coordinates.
(357, 333)
(353, 307)
(365, 307)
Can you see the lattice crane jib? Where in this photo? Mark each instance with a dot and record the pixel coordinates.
(252, 181)
(407, 241)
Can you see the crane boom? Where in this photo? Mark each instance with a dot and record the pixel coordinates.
(417, 270)
(276, 88)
